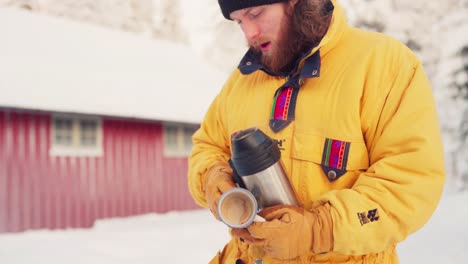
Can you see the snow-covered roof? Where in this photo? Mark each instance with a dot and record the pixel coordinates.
(54, 64)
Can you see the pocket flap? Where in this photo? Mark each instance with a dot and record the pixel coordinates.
(330, 153)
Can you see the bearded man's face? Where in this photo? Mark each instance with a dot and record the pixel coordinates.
(280, 32)
(268, 32)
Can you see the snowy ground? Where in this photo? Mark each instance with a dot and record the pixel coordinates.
(194, 237)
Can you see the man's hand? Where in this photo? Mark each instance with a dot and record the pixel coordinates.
(290, 231)
(217, 181)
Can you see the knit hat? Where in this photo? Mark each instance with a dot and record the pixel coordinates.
(228, 6)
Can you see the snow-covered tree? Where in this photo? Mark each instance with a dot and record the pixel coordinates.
(129, 15)
(459, 84)
(167, 20)
(451, 37)
(460, 80)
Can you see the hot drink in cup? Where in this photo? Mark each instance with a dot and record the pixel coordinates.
(238, 208)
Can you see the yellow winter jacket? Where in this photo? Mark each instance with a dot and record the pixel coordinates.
(366, 92)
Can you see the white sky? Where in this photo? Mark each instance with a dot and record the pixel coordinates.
(195, 236)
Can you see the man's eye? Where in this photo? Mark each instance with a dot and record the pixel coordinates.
(255, 14)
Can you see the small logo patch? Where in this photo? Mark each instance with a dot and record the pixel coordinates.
(280, 143)
(370, 216)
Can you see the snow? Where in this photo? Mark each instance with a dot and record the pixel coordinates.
(195, 237)
(80, 68)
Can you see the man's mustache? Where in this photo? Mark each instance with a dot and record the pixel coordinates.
(257, 43)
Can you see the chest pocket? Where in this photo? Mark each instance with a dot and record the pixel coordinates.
(335, 157)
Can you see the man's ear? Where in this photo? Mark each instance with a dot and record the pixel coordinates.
(292, 2)
(290, 6)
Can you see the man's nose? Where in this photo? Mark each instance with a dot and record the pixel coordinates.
(251, 31)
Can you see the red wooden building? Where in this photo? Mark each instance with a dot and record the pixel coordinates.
(93, 123)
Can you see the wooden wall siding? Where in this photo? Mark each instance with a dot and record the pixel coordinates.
(41, 191)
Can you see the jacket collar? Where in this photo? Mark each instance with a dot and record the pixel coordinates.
(308, 65)
(311, 65)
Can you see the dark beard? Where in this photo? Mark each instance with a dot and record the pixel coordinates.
(285, 51)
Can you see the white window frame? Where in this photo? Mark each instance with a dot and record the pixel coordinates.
(76, 149)
(181, 148)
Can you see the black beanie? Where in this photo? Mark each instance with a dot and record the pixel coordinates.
(228, 6)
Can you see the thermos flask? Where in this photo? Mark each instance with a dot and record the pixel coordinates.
(257, 167)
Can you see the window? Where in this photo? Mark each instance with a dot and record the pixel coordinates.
(76, 136)
(88, 133)
(178, 139)
(63, 131)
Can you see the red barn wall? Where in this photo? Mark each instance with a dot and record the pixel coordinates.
(42, 191)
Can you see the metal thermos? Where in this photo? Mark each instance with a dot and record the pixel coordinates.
(257, 167)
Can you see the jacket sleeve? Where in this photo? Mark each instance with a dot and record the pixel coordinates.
(210, 146)
(401, 189)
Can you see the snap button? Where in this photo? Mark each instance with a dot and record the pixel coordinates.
(331, 175)
(314, 72)
(249, 63)
(301, 82)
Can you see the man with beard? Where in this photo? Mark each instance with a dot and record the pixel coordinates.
(353, 114)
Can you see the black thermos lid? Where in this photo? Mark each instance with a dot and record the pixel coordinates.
(253, 151)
